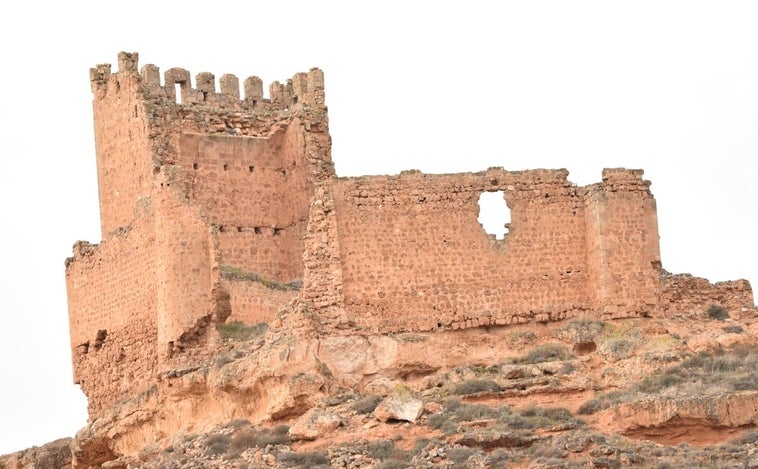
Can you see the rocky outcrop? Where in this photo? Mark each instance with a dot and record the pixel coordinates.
(315, 423)
(402, 405)
(731, 410)
(53, 455)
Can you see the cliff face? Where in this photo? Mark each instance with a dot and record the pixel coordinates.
(607, 393)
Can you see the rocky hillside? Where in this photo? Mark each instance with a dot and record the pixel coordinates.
(679, 391)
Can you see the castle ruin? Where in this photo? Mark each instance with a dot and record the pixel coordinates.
(221, 206)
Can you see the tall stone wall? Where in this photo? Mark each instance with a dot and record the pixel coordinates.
(113, 297)
(623, 252)
(414, 256)
(124, 162)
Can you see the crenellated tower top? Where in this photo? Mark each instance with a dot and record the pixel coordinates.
(302, 90)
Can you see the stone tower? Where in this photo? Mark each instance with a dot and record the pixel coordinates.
(204, 199)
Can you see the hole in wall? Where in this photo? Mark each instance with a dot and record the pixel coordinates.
(277, 231)
(257, 230)
(178, 93)
(251, 168)
(226, 167)
(494, 214)
(194, 165)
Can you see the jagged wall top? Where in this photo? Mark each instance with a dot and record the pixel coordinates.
(300, 91)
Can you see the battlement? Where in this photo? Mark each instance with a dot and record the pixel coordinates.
(302, 90)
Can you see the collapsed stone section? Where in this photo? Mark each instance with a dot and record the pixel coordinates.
(224, 206)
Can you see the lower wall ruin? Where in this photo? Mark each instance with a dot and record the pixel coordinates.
(255, 300)
(684, 294)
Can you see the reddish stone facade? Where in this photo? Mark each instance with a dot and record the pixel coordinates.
(221, 206)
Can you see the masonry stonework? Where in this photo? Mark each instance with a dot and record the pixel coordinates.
(221, 206)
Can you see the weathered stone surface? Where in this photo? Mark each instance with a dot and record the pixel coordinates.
(53, 455)
(402, 404)
(314, 424)
(724, 410)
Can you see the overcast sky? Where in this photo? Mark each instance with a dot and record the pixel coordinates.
(667, 86)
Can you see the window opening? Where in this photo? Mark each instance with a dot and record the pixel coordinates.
(178, 93)
(494, 215)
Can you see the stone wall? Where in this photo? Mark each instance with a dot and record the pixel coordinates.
(112, 291)
(690, 296)
(414, 257)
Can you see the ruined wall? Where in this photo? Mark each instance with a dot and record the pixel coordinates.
(255, 190)
(186, 266)
(124, 162)
(684, 294)
(112, 297)
(413, 254)
(254, 300)
(623, 252)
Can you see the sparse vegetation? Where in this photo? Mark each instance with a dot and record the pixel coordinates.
(546, 353)
(217, 443)
(701, 374)
(718, 312)
(388, 453)
(618, 348)
(306, 459)
(474, 386)
(231, 272)
(366, 404)
(504, 418)
(237, 330)
(733, 329)
(582, 330)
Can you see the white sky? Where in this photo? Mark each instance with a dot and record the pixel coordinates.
(667, 86)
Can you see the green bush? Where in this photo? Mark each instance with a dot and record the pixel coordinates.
(546, 353)
(471, 412)
(474, 386)
(591, 406)
(278, 435)
(217, 443)
(366, 405)
(238, 330)
(733, 329)
(385, 450)
(307, 459)
(459, 455)
(718, 312)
